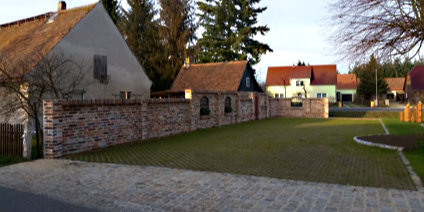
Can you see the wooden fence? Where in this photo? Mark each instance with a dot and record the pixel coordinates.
(11, 141)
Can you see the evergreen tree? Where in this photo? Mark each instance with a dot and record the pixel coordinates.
(113, 8)
(177, 33)
(366, 74)
(140, 28)
(229, 30)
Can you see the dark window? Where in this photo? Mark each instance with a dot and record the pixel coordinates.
(204, 106)
(296, 102)
(299, 83)
(125, 95)
(228, 108)
(100, 67)
(248, 82)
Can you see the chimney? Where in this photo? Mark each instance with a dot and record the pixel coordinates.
(61, 6)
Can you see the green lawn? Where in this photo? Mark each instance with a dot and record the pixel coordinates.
(320, 150)
(416, 156)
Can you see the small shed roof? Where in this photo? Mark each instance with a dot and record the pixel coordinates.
(223, 76)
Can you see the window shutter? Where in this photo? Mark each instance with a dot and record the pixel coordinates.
(97, 66)
(100, 66)
(103, 73)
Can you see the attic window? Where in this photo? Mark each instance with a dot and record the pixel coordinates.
(248, 82)
(100, 68)
(299, 83)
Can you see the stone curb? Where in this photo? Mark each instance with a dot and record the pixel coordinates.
(368, 143)
(414, 177)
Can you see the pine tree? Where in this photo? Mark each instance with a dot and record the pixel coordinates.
(229, 31)
(366, 74)
(140, 29)
(113, 8)
(177, 33)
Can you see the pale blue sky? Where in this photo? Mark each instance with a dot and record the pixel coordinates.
(298, 29)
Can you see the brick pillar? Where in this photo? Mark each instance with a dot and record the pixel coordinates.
(52, 130)
(419, 112)
(325, 108)
(237, 107)
(144, 119)
(194, 115)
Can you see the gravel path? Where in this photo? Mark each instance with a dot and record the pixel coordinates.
(111, 187)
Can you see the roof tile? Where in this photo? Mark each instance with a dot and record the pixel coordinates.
(24, 43)
(395, 83)
(346, 81)
(223, 76)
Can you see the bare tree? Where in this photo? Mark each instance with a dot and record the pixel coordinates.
(385, 28)
(23, 87)
(304, 91)
(285, 87)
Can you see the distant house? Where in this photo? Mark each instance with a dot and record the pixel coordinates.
(88, 36)
(315, 81)
(395, 92)
(414, 85)
(346, 87)
(224, 76)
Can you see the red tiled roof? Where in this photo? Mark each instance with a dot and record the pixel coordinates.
(27, 41)
(278, 76)
(324, 75)
(319, 74)
(300, 72)
(224, 76)
(417, 77)
(346, 81)
(395, 83)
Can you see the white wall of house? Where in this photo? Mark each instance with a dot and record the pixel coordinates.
(312, 90)
(318, 91)
(96, 34)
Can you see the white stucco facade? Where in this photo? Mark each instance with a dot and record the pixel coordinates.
(294, 89)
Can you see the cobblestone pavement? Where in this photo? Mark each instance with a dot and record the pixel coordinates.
(113, 187)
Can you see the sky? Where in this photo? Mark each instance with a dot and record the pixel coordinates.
(298, 29)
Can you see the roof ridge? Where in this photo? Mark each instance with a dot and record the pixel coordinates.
(43, 16)
(78, 7)
(218, 63)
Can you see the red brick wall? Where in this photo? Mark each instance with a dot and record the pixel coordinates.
(77, 126)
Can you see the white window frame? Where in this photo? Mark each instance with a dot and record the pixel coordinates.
(278, 95)
(321, 95)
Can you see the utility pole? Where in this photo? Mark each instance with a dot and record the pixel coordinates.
(376, 88)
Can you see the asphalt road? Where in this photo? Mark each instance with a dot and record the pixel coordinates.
(363, 109)
(13, 200)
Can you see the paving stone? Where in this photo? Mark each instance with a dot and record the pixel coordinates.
(112, 187)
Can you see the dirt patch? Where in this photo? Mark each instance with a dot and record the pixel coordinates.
(406, 141)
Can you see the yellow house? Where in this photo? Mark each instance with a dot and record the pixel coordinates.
(317, 81)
